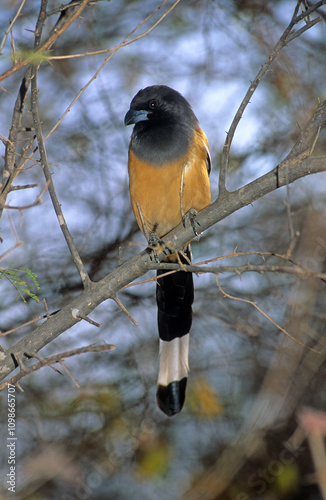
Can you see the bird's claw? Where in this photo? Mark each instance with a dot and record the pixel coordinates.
(191, 218)
(157, 246)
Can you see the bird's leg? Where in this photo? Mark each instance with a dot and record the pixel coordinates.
(157, 246)
(191, 218)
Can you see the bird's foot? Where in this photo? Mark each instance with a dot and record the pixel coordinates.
(191, 218)
(157, 246)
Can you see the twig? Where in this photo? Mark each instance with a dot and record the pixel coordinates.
(40, 358)
(126, 41)
(51, 360)
(12, 170)
(13, 229)
(65, 367)
(284, 257)
(202, 268)
(315, 141)
(44, 160)
(307, 12)
(246, 301)
(2, 334)
(55, 34)
(46, 308)
(47, 315)
(245, 268)
(11, 25)
(38, 200)
(11, 249)
(298, 33)
(124, 309)
(27, 186)
(292, 245)
(71, 4)
(48, 176)
(19, 361)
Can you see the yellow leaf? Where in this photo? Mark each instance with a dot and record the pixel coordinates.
(204, 400)
(153, 461)
(288, 481)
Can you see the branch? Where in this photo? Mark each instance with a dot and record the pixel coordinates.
(38, 200)
(288, 35)
(245, 268)
(54, 35)
(296, 165)
(126, 41)
(48, 176)
(44, 160)
(201, 267)
(114, 50)
(250, 302)
(10, 172)
(11, 25)
(57, 358)
(66, 18)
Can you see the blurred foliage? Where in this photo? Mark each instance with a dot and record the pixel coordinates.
(107, 439)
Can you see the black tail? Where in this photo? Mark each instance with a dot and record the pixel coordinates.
(174, 296)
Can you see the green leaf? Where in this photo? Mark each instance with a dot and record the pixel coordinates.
(33, 57)
(12, 275)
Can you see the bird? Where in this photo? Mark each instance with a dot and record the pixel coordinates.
(169, 165)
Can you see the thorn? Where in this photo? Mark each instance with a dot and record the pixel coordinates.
(76, 314)
(63, 364)
(124, 309)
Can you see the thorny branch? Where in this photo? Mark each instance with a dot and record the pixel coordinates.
(288, 35)
(245, 268)
(11, 170)
(56, 358)
(44, 160)
(54, 35)
(296, 165)
(56, 204)
(68, 15)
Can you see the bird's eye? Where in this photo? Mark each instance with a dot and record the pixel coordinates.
(153, 104)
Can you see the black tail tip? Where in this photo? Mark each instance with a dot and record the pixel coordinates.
(170, 398)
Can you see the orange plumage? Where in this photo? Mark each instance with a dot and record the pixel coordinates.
(166, 194)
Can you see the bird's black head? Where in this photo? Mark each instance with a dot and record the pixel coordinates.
(159, 105)
(164, 124)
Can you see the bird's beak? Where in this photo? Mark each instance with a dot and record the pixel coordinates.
(135, 116)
